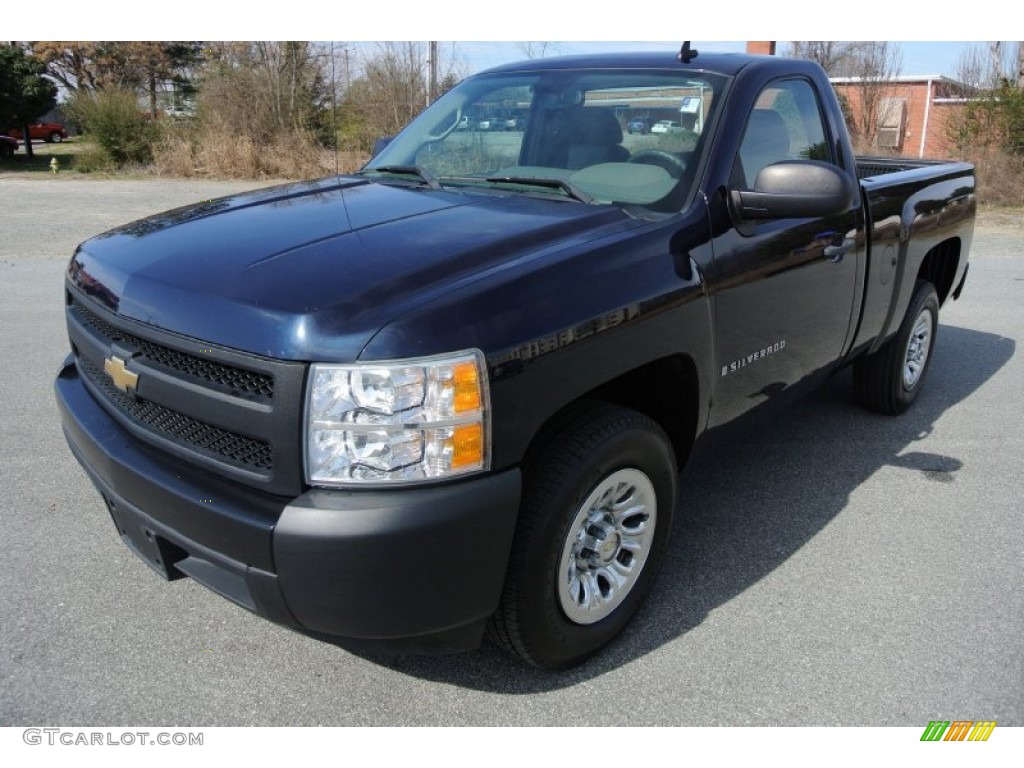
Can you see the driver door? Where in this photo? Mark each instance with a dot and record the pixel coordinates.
(783, 289)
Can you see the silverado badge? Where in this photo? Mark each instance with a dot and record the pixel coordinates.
(123, 379)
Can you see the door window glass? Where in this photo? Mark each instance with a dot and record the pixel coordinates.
(785, 124)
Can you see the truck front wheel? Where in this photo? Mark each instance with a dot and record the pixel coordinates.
(889, 380)
(593, 527)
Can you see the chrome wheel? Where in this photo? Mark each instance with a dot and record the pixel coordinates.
(594, 522)
(889, 379)
(918, 346)
(607, 545)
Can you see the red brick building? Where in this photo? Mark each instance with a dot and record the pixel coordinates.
(914, 113)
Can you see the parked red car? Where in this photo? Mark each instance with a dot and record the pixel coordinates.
(51, 132)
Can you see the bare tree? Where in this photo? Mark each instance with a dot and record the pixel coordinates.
(394, 79)
(992, 113)
(874, 67)
(264, 90)
(973, 70)
(996, 52)
(393, 89)
(832, 55)
(534, 49)
(977, 68)
(871, 68)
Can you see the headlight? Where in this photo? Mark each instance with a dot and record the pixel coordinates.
(401, 421)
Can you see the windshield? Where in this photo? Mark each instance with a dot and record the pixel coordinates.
(628, 137)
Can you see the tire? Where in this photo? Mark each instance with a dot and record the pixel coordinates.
(55, 138)
(570, 545)
(889, 380)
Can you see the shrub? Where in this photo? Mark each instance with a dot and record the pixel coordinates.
(92, 159)
(216, 151)
(113, 120)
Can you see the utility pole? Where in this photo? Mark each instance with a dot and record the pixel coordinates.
(432, 86)
(1020, 65)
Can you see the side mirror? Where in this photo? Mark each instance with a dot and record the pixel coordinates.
(379, 144)
(796, 189)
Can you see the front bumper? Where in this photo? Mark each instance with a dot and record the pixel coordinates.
(415, 569)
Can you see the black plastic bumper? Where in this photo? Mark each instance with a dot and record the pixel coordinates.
(416, 569)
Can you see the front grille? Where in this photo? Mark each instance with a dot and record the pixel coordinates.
(230, 412)
(191, 433)
(225, 377)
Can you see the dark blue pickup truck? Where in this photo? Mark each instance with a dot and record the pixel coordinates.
(450, 394)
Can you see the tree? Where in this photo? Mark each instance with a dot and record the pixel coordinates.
(992, 115)
(25, 95)
(979, 69)
(391, 91)
(874, 65)
(872, 68)
(534, 49)
(832, 55)
(149, 65)
(264, 90)
(141, 66)
(71, 64)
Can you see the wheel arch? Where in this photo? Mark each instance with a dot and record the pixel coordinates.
(939, 267)
(666, 390)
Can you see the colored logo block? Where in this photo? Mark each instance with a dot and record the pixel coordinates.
(958, 730)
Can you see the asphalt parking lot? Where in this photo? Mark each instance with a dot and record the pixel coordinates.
(833, 568)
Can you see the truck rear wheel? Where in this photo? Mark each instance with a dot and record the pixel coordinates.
(594, 522)
(889, 380)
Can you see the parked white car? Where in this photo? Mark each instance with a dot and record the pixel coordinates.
(666, 126)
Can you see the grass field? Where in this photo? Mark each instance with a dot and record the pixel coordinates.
(65, 153)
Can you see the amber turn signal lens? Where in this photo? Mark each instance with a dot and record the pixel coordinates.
(467, 387)
(467, 446)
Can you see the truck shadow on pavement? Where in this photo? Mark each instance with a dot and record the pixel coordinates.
(746, 508)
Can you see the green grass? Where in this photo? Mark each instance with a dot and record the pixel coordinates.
(65, 153)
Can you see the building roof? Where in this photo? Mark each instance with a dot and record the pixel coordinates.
(901, 79)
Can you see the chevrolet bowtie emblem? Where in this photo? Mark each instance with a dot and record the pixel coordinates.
(123, 379)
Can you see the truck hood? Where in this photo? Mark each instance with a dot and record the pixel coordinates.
(310, 271)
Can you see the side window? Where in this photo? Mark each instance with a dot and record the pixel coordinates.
(785, 124)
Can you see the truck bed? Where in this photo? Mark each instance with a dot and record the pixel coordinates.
(869, 165)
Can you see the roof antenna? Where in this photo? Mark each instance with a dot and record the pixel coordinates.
(686, 53)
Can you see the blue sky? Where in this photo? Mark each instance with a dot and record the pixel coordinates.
(919, 57)
(486, 32)
(573, 23)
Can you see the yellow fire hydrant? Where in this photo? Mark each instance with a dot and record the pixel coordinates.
(54, 165)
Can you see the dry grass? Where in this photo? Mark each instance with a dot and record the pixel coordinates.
(216, 154)
(1000, 176)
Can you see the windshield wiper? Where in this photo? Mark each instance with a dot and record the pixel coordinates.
(551, 182)
(407, 170)
(548, 182)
